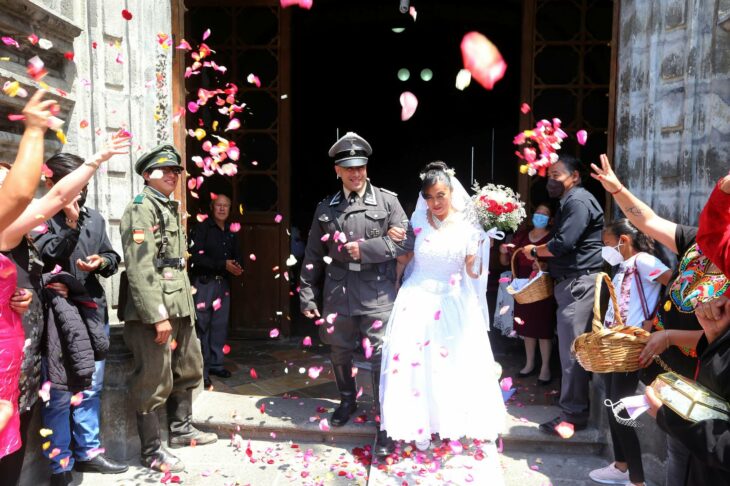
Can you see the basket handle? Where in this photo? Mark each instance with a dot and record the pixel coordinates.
(512, 261)
(597, 321)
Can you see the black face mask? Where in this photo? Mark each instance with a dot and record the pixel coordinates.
(555, 188)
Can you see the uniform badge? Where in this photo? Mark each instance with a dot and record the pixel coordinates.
(373, 232)
(138, 236)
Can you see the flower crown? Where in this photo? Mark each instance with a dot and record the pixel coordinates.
(450, 172)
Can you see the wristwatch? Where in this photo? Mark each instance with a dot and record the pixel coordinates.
(533, 252)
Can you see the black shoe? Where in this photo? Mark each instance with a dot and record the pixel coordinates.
(544, 382)
(348, 401)
(101, 464)
(529, 373)
(342, 414)
(62, 479)
(383, 444)
(549, 427)
(153, 455)
(179, 417)
(207, 384)
(223, 373)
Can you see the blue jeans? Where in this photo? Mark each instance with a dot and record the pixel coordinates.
(80, 423)
(677, 463)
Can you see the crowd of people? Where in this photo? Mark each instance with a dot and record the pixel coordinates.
(409, 291)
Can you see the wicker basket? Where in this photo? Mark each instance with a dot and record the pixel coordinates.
(540, 289)
(611, 350)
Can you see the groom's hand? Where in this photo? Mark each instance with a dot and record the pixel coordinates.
(397, 234)
(311, 314)
(353, 249)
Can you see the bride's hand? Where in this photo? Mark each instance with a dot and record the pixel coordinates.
(396, 234)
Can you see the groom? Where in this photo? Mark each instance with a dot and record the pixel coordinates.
(348, 248)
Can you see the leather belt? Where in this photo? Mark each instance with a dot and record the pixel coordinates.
(575, 275)
(353, 266)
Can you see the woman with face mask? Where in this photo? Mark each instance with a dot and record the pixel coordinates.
(533, 322)
(638, 280)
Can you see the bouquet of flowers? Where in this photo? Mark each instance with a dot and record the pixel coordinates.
(538, 148)
(498, 207)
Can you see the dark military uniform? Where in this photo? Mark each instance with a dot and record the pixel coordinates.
(155, 244)
(355, 293)
(359, 292)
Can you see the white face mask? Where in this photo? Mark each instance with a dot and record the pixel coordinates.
(612, 255)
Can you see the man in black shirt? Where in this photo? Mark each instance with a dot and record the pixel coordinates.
(215, 256)
(575, 258)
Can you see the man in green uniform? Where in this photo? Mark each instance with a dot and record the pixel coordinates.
(158, 310)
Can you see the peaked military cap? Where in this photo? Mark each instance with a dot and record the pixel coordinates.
(351, 150)
(163, 155)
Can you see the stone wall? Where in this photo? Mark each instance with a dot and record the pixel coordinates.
(673, 113)
(120, 78)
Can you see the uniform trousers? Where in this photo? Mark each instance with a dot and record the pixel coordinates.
(347, 334)
(575, 313)
(158, 370)
(212, 324)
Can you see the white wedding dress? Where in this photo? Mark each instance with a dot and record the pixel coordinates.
(438, 373)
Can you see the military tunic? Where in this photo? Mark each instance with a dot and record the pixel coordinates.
(359, 292)
(158, 290)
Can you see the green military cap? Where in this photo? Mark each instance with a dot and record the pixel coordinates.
(163, 155)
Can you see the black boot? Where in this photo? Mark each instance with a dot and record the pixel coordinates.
(179, 418)
(348, 402)
(154, 456)
(383, 444)
(62, 479)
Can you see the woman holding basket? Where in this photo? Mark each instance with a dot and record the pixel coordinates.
(696, 280)
(535, 322)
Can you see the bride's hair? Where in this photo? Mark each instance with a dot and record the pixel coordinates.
(434, 172)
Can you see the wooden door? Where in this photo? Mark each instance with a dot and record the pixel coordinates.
(249, 37)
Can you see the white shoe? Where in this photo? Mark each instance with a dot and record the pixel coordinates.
(423, 445)
(610, 475)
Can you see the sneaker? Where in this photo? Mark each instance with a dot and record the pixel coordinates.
(423, 445)
(610, 475)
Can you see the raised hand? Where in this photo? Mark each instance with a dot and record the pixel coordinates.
(116, 145)
(606, 176)
(37, 111)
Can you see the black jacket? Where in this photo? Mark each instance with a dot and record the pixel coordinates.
(75, 335)
(709, 440)
(62, 245)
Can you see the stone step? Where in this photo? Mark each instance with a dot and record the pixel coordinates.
(522, 433)
(282, 418)
(298, 419)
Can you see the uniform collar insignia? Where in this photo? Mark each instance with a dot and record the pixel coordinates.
(155, 193)
(369, 198)
(336, 199)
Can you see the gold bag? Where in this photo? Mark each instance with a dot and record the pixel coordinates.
(689, 399)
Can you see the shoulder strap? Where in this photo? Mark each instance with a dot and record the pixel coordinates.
(162, 251)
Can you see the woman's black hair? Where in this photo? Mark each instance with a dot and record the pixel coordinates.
(572, 163)
(546, 204)
(62, 164)
(639, 240)
(433, 173)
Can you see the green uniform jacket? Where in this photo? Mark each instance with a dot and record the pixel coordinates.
(154, 294)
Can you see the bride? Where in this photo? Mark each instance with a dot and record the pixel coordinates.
(438, 374)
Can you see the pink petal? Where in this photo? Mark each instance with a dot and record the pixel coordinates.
(443, 352)
(482, 58)
(504, 310)
(412, 12)
(9, 41)
(278, 218)
(377, 324)
(253, 374)
(76, 399)
(582, 137)
(307, 341)
(409, 103)
(14, 117)
(654, 273)
(234, 124)
(119, 59)
(252, 257)
(56, 269)
(314, 372)
(565, 430)
(217, 304)
(525, 108)
(253, 79)
(505, 280)
(519, 321)
(193, 106)
(331, 318)
(274, 333)
(324, 425)
(206, 34)
(235, 227)
(456, 447)
(417, 230)
(506, 384)
(437, 315)
(325, 237)
(367, 347)
(201, 217)
(309, 266)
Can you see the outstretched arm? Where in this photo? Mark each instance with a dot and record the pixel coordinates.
(61, 194)
(640, 215)
(20, 184)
